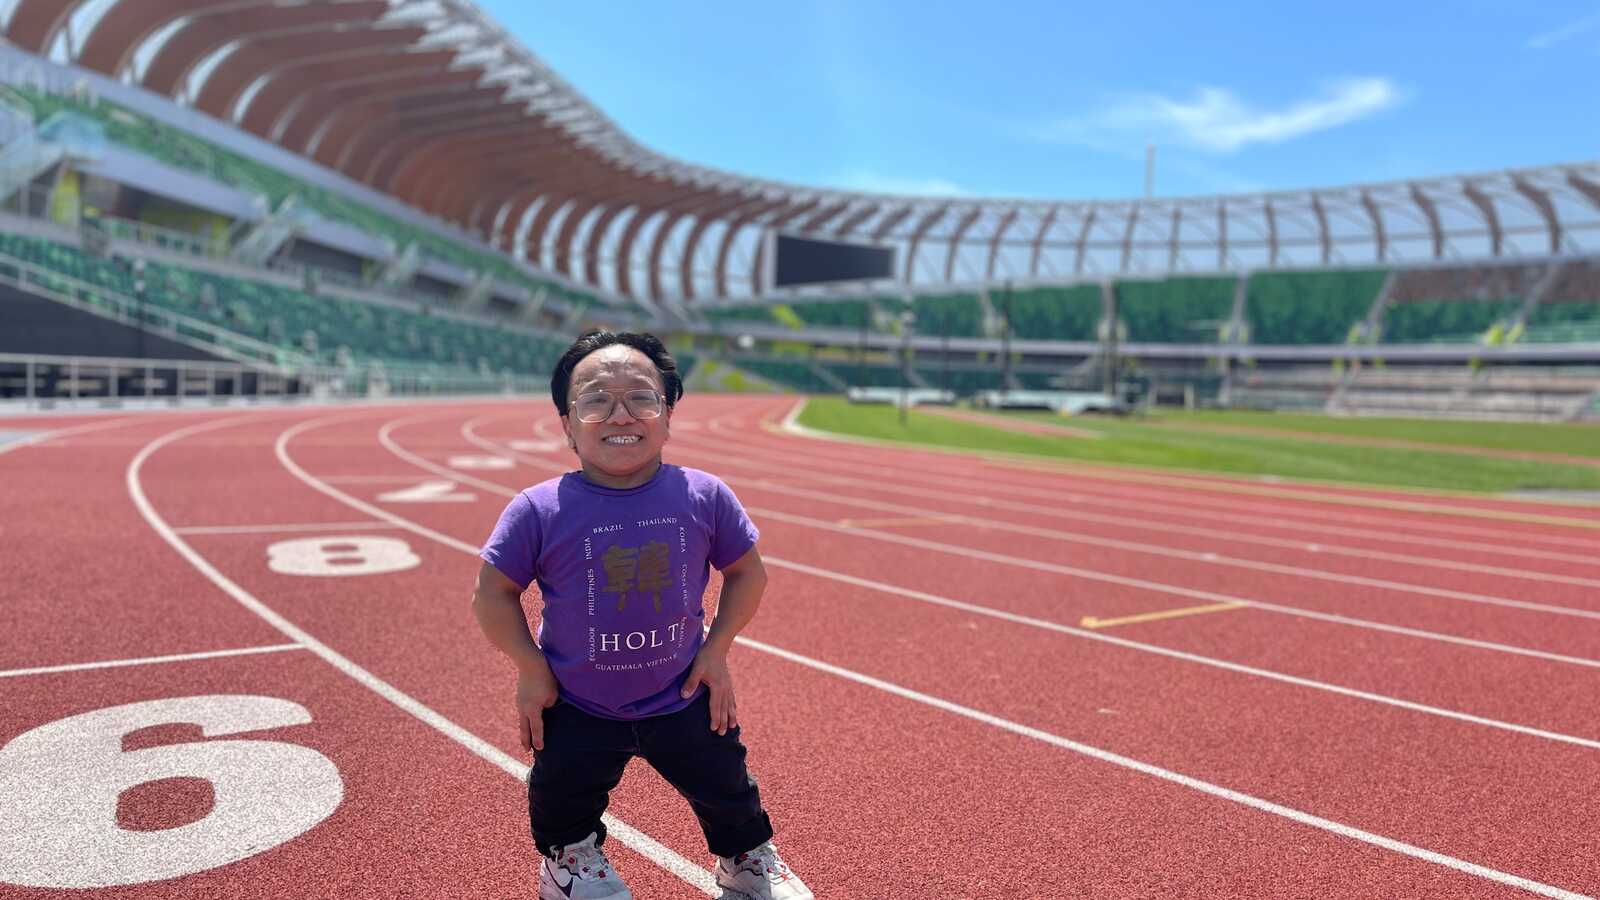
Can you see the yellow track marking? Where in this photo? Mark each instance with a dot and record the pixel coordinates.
(1092, 622)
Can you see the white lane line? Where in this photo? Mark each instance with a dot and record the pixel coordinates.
(1036, 508)
(386, 438)
(1047, 625)
(1055, 568)
(149, 660)
(1195, 556)
(1023, 562)
(1116, 759)
(282, 450)
(1164, 651)
(272, 529)
(1114, 491)
(1214, 790)
(543, 444)
(899, 483)
(33, 440)
(522, 445)
(640, 842)
(370, 479)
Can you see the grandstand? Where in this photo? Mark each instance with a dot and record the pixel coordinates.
(342, 186)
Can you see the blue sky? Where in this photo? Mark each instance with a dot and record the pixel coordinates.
(1059, 100)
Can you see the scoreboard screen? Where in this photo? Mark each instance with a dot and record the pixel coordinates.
(799, 261)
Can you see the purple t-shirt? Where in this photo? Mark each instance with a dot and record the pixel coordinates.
(622, 573)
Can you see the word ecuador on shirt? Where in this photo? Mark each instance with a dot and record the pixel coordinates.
(622, 573)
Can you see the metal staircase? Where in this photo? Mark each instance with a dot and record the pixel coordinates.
(23, 159)
(106, 303)
(268, 236)
(476, 294)
(398, 274)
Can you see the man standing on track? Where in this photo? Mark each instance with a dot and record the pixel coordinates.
(622, 552)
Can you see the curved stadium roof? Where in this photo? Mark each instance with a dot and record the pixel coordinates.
(435, 104)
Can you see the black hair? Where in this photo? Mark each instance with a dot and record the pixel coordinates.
(590, 341)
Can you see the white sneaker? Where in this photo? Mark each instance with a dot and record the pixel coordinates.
(580, 872)
(760, 875)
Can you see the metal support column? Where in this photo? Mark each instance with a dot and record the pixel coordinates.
(908, 320)
(1005, 341)
(1108, 345)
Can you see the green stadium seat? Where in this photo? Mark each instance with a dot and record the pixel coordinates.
(1309, 307)
(1444, 321)
(1055, 313)
(191, 153)
(795, 374)
(294, 320)
(1175, 310)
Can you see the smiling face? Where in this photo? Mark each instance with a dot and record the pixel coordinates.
(620, 452)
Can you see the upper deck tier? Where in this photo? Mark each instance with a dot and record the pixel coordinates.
(434, 104)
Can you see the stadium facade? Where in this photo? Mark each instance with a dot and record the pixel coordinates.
(406, 183)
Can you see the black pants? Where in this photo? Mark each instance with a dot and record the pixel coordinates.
(584, 756)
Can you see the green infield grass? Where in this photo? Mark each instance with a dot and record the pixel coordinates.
(1570, 439)
(1162, 442)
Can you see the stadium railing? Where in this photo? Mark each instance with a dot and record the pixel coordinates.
(100, 299)
(232, 311)
(43, 381)
(1491, 392)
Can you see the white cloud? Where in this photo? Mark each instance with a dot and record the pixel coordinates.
(1557, 35)
(1217, 120)
(875, 183)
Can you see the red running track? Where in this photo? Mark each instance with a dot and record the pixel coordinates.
(193, 708)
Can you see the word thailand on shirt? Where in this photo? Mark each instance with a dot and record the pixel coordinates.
(622, 573)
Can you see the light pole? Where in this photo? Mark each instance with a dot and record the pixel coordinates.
(1108, 348)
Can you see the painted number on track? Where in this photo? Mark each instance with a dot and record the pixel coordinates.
(341, 555)
(428, 492)
(480, 462)
(537, 446)
(60, 785)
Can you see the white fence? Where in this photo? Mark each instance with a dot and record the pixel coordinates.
(44, 381)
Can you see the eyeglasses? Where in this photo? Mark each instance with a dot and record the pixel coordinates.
(597, 406)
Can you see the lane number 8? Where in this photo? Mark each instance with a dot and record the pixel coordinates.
(341, 555)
